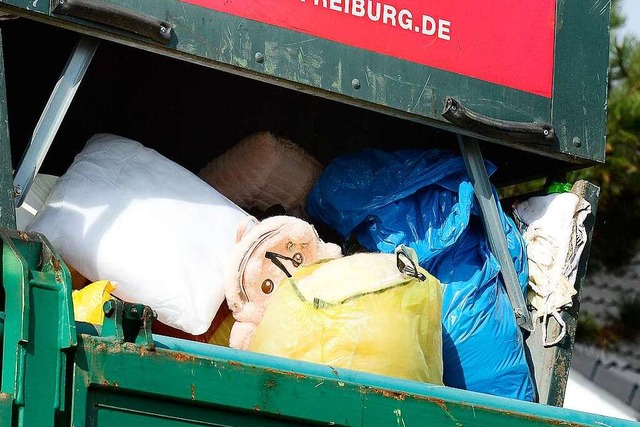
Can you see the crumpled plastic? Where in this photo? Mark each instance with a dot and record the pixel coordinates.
(360, 312)
(88, 301)
(424, 199)
(555, 235)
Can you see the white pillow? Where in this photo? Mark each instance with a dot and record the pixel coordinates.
(124, 213)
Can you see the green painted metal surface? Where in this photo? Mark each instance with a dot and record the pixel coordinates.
(6, 408)
(39, 329)
(581, 75)
(34, 6)
(210, 385)
(7, 209)
(387, 84)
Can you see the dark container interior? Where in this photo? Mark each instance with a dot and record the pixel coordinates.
(191, 113)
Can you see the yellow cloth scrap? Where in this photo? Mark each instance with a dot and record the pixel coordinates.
(88, 301)
(221, 335)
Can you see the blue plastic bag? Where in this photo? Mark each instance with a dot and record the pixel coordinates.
(423, 199)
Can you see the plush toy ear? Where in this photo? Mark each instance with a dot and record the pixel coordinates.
(328, 250)
(245, 226)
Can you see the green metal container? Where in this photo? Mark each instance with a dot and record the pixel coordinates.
(160, 381)
(528, 79)
(538, 63)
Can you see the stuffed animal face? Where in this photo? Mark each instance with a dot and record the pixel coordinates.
(266, 254)
(276, 257)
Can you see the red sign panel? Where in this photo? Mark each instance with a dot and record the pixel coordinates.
(507, 42)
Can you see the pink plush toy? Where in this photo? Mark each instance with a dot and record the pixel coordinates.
(267, 252)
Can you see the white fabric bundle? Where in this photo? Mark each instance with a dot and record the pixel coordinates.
(554, 232)
(124, 213)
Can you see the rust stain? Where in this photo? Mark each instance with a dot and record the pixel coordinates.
(547, 420)
(430, 399)
(446, 410)
(56, 264)
(513, 414)
(397, 396)
(392, 394)
(443, 405)
(234, 363)
(402, 396)
(182, 357)
(291, 374)
(193, 392)
(101, 347)
(256, 408)
(106, 383)
(24, 236)
(144, 351)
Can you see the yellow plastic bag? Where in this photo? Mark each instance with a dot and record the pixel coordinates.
(88, 301)
(368, 312)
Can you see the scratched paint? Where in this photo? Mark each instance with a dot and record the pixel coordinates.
(245, 48)
(581, 56)
(296, 62)
(424, 99)
(309, 66)
(600, 7)
(336, 84)
(7, 209)
(377, 85)
(399, 419)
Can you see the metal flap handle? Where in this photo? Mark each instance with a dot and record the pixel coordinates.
(124, 19)
(532, 133)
